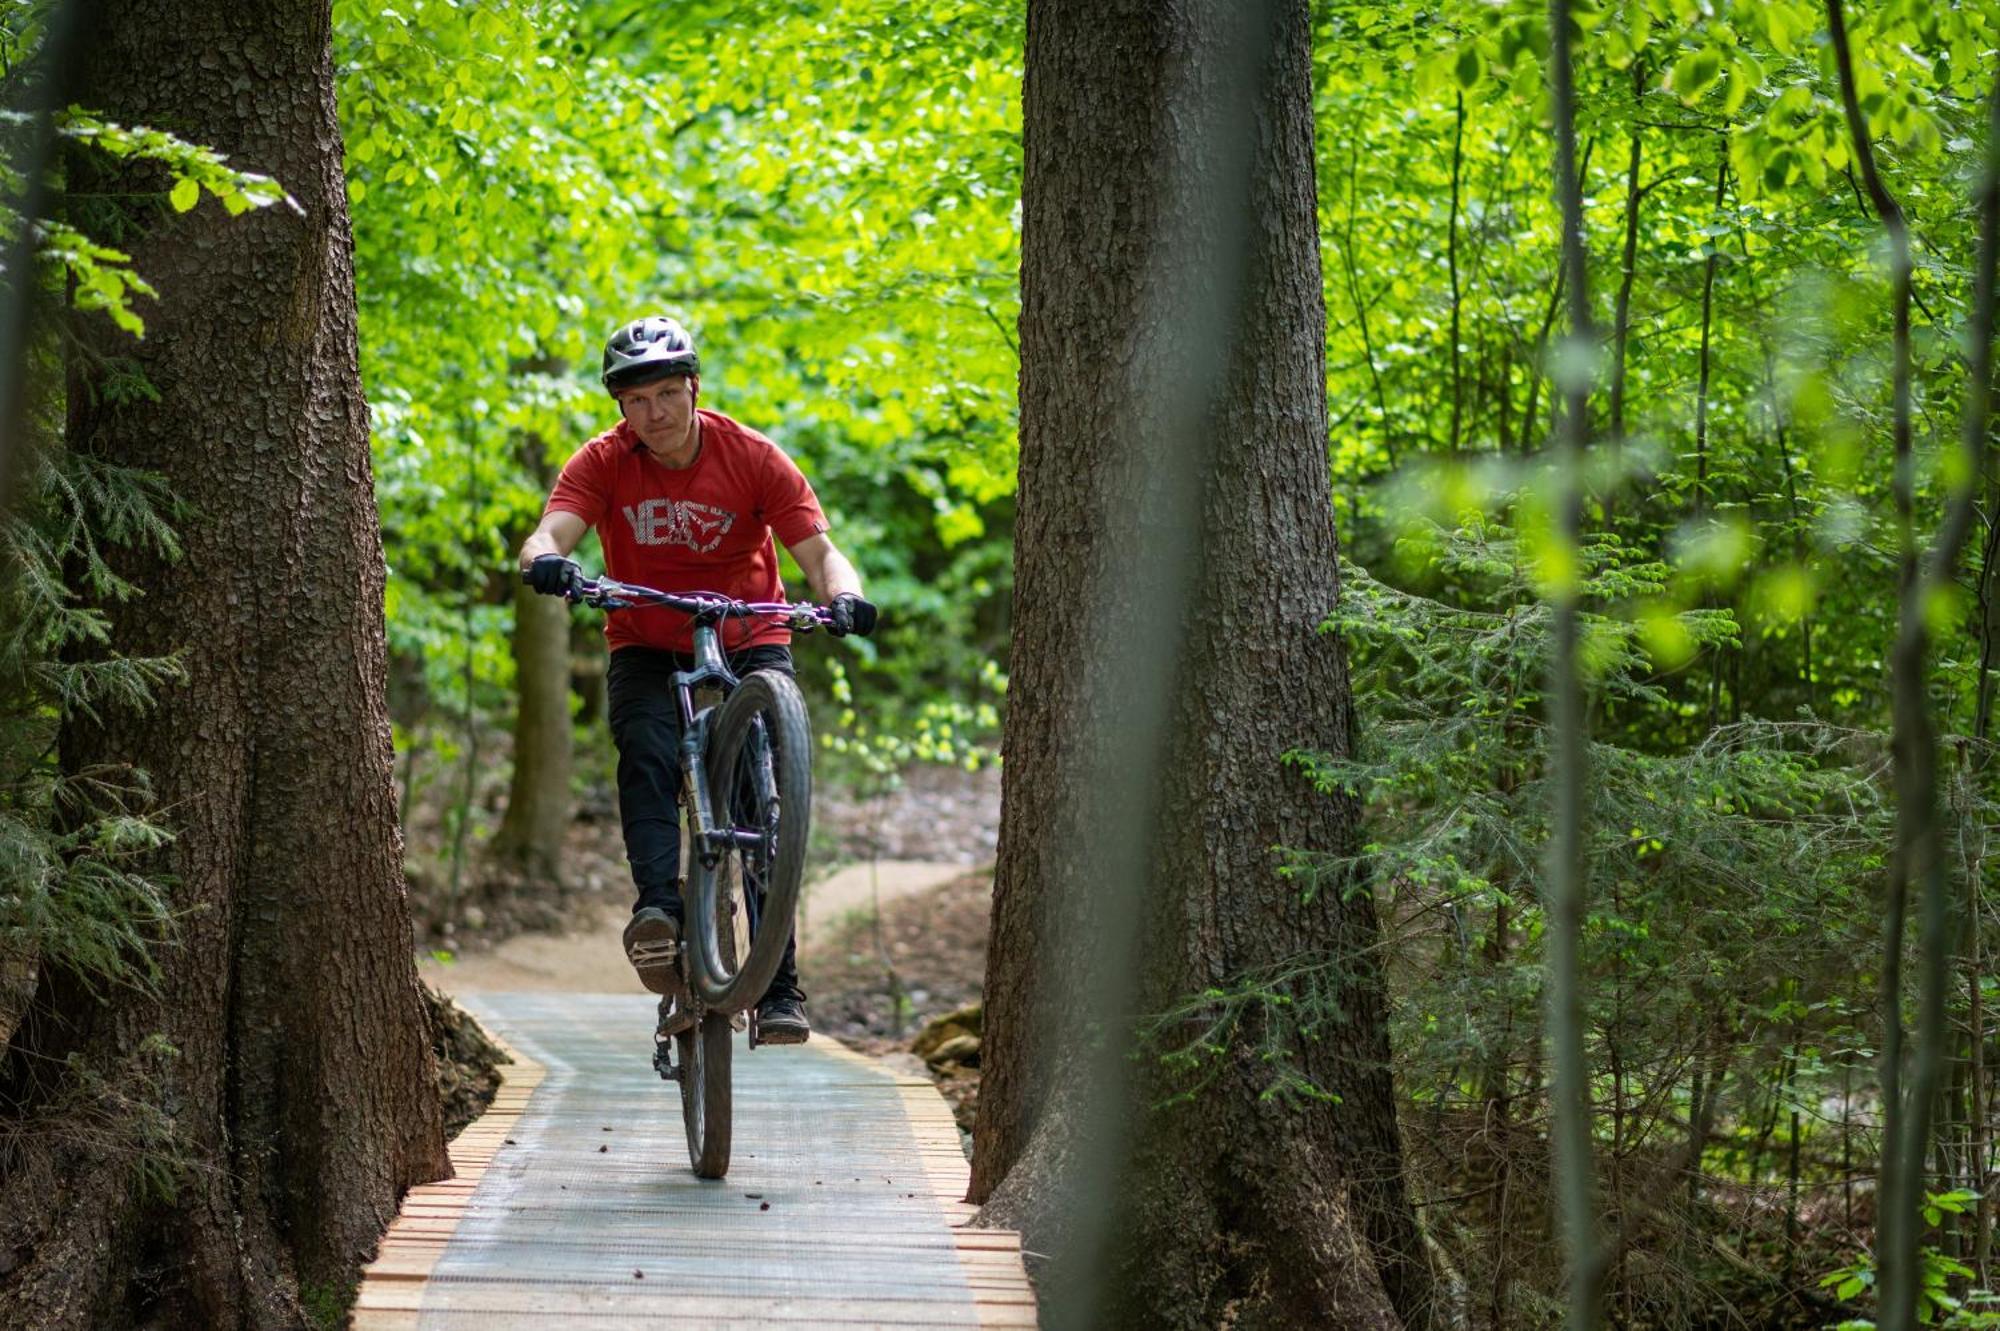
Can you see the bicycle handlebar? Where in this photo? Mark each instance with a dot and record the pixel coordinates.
(609, 594)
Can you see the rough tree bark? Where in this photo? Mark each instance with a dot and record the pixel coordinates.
(225, 1151)
(1175, 556)
(530, 838)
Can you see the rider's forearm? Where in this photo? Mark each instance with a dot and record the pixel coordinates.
(834, 576)
(557, 535)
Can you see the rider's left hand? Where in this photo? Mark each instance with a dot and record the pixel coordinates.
(851, 614)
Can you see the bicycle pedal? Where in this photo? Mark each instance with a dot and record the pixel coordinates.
(673, 1019)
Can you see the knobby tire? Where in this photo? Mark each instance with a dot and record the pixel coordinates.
(706, 1090)
(765, 713)
(705, 1094)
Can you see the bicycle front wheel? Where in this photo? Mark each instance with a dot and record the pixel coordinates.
(760, 789)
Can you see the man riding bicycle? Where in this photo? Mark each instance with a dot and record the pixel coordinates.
(684, 499)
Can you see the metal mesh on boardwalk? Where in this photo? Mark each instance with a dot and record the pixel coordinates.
(828, 1217)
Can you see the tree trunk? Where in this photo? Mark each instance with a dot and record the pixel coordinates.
(1175, 516)
(1568, 873)
(530, 838)
(1706, 360)
(225, 1150)
(1628, 263)
(1919, 854)
(1457, 296)
(1351, 265)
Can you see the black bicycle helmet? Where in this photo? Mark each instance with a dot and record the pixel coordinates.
(648, 349)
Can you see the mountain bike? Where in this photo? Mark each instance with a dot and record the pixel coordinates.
(746, 806)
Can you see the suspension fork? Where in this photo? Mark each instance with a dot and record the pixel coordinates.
(694, 789)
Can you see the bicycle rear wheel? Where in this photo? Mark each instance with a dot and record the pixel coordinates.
(705, 1093)
(760, 787)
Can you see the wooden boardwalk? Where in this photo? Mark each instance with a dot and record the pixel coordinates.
(574, 1200)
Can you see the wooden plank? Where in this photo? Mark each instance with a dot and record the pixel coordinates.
(391, 1291)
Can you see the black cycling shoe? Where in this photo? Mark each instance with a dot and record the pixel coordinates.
(653, 946)
(781, 1019)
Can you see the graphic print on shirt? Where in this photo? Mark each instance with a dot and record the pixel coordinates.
(699, 527)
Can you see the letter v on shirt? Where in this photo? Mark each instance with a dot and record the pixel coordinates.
(706, 527)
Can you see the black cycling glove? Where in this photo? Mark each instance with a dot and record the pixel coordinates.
(851, 614)
(553, 575)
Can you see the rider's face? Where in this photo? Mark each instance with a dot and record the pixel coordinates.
(661, 412)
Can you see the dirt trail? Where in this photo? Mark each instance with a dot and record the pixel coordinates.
(591, 960)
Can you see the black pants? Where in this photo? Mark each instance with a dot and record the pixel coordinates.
(646, 727)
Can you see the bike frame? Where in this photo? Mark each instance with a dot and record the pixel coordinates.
(710, 667)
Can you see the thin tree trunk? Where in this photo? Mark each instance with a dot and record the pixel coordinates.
(1701, 418)
(469, 769)
(1792, 1158)
(1621, 322)
(1918, 854)
(1451, 254)
(1169, 181)
(1847, 1142)
(265, 1106)
(1614, 1040)
(43, 91)
(1801, 550)
(1989, 624)
(1538, 361)
(530, 838)
(1702, 380)
(1567, 865)
(589, 672)
(1352, 268)
(1981, 1131)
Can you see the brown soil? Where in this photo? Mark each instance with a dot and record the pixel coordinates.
(944, 814)
(939, 814)
(931, 949)
(492, 904)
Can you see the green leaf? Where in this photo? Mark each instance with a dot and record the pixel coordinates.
(185, 195)
(1694, 73)
(1744, 76)
(1468, 68)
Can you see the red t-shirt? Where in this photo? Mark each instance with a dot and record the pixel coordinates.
(704, 528)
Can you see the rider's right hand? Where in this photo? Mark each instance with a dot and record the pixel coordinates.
(553, 575)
